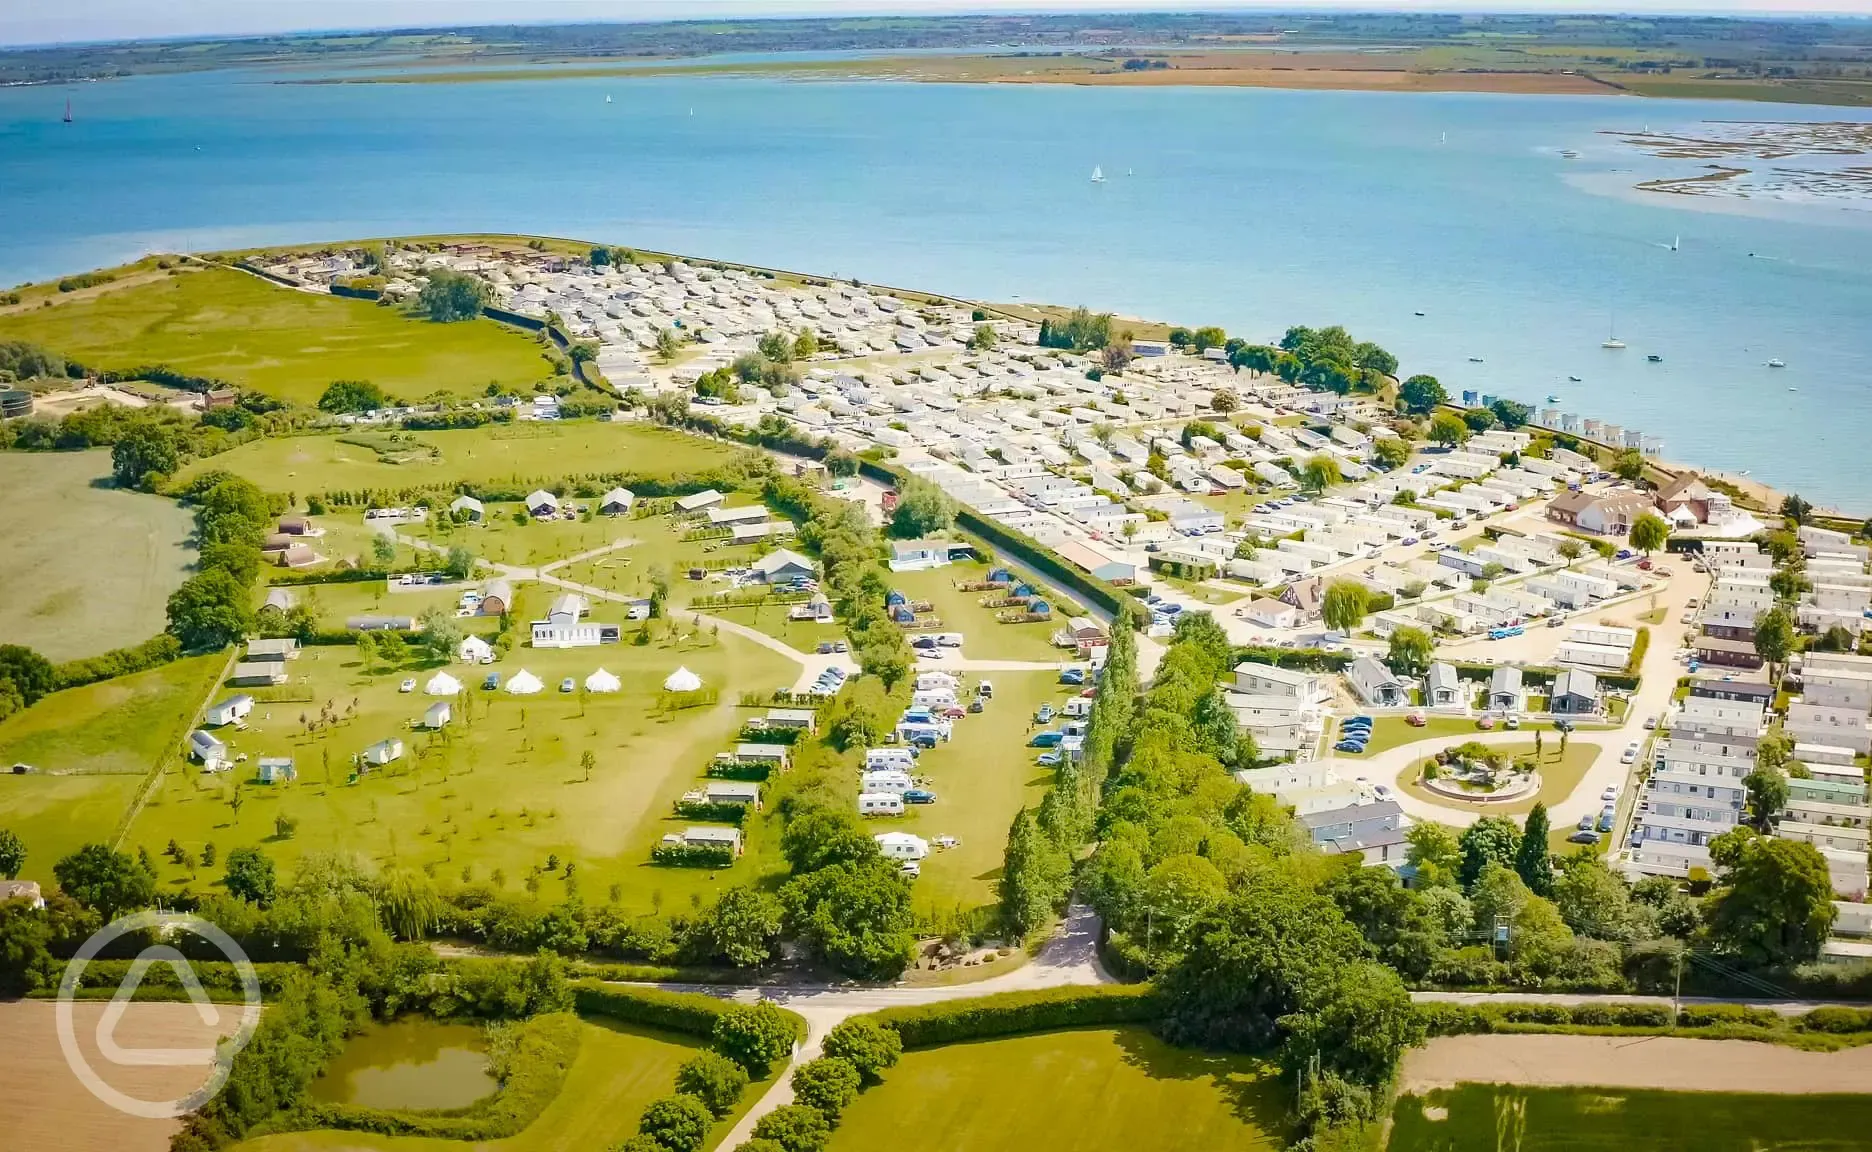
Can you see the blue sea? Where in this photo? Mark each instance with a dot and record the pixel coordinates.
(1253, 209)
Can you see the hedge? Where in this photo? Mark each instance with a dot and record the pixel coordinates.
(739, 770)
(692, 856)
(1743, 1020)
(1305, 659)
(101, 978)
(687, 1012)
(1012, 1013)
(715, 813)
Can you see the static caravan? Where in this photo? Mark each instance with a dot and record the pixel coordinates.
(901, 758)
(880, 804)
(886, 780)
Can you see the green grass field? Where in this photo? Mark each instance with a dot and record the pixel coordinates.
(87, 568)
(239, 328)
(1491, 1118)
(1390, 731)
(527, 452)
(1091, 1090)
(92, 747)
(986, 637)
(618, 1071)
(502, 791)
(1559, 776)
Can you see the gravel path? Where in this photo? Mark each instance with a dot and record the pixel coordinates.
(1662, 1062)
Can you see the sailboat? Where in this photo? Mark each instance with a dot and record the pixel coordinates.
(1676, 242)
(1611, 340)
(607, 97)
(68, 118)
(1098, 176)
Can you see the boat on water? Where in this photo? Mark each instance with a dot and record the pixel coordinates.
(1552, 399)
(68, 118)
(1655, 358)
(1569, 154)
(1573, 379)
(607, 97)
(1475, 359)
(1417, 313)
(1676, 242)
(1098, 175)
(1611, 340)
(1777, 362)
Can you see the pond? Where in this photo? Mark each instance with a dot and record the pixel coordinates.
(416, 1064)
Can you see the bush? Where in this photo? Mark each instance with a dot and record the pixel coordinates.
(867, 1045)
(1711, 1015)
(1012, 1013)
(692, 856)
(713, 1079)
(755, 1036)
(679, 1123)
(1838, 1021)
(828, 1084)
(685, 1012)
(795, 1128)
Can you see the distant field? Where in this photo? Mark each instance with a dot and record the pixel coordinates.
(86, 568)
(1488, 1118)
(618, 1071)
(985, 638)
(92, 747)
(1092, 1090)
(304, 464)
(236, 327)
(503, 792)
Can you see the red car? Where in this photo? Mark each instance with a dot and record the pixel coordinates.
(1645, 564)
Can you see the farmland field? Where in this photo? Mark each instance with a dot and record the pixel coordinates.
(232, 326)
(1487, 1117)
(618, 1071)
(87, 568)
(492, 797)
(1090, 1090)
(526, 452)
(92, 748)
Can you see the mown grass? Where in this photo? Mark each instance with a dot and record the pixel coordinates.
(1090, 1090)
(87, 567)
(1488, 1118)
(1560, 775)
(232, 326)
(524, 452)
(91, 748)
(985, 637)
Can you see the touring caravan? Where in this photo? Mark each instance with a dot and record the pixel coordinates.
(880, 804)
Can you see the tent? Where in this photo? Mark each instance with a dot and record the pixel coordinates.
(682, 680)
(601, 681)
(442, 684)
(474, 650)
(524, 683)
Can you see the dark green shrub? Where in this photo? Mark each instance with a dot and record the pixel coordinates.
(755, 1036)
(713, 1079)
(1011, 1013)
(828, 1084)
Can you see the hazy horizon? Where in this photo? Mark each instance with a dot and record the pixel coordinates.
(81, 21)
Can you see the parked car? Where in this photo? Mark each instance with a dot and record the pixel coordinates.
(408, 685)
(1645, 564)
(1048, 739)
(1610, 794)
(825, 648)
(919, 796)
(1512, 723)
(568, 685)
(1585, 822)
(1607, 818)
(1584, 836)
(490, 682)
(1485, 722)
(1650, 723)
(1563, 725)
(1049, 759)
(1044, 715)
(1353, 746)
(1631, 754)
(976, 705)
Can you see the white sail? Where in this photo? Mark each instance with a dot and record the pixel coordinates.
(1098, 175)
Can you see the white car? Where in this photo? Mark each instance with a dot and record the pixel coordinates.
(1610, 794)
(407, 685)
(1631, 754)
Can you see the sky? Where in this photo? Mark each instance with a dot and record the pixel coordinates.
(55, 21)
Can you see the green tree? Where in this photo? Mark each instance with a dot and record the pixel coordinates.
(669, 343)
(1320, 473)
(451, 296)
(12, 854)
(855, 916)
(1796, 509)
(352, 396)
(383, 551)
(870, 1047)
(794, 1128)
(679, 1123)
(210, 610)
(460, 564)
(1594, 901)
(1035, 875)
(1355, 1021)
(1411, 650)
(1776, 905)
(1435, 852)
(1649, 532)
(744, 926)
(1391, 451)
(713, 1079)
(249, 875)
(1490, 840)
(1774, 638)
(1767, 796)
(1177, 893)
(148, 451)
(1479, 419)
(1422, 394)
(1531, 858)
(1210, 337)
(1343, 607)
(828, 1084)
(1448, 430)
(1629, 465)
(1225, 400)
(106, 881)
(32, 676)
(441, 635)
(1571, 549)
(755, 1036)
(923, 509)
(984, 338)
(806, 344)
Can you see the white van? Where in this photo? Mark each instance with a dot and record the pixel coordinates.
(880, 804)
(985, 689)
(876, 758)
(892, 780)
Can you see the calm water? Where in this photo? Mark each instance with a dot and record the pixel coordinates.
(1251, 209)
(416, 1063)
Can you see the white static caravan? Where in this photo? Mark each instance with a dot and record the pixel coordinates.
(880, 804)
(894, 780)
(900, 758)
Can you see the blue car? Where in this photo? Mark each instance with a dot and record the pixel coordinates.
(1349, 746)
(919, 796)
(1355, 726)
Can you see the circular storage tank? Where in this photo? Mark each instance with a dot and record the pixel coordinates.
(15, 402)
